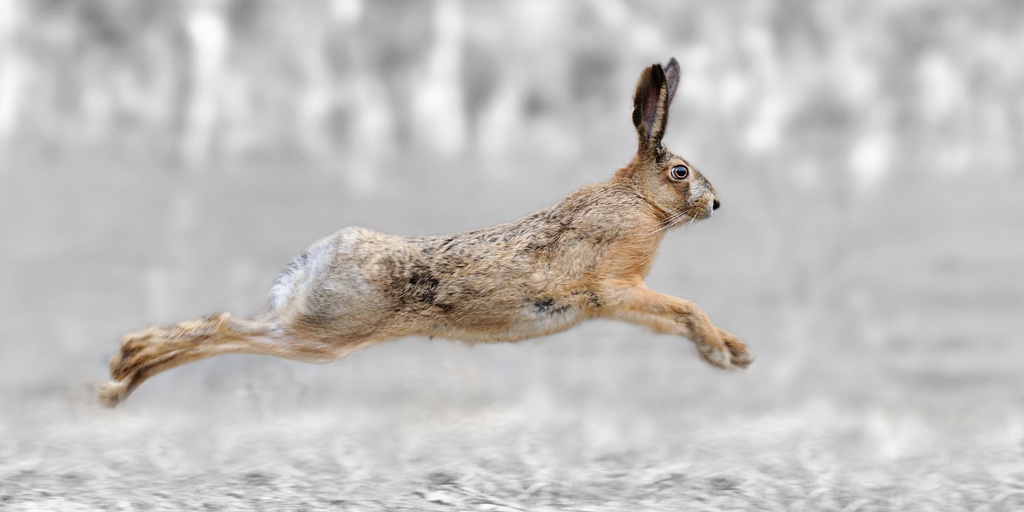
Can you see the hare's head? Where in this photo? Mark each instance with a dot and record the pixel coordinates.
(664, 179)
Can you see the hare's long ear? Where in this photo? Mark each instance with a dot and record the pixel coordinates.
(654, 92)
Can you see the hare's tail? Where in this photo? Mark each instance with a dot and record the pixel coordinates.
(146, 353)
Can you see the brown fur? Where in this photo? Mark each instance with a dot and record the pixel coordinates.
(585, 257)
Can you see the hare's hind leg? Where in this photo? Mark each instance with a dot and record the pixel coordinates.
(146, 353)
(669, 315)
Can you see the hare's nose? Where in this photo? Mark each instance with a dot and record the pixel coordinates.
(715, 204)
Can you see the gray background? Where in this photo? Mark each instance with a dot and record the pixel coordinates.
(160, 161)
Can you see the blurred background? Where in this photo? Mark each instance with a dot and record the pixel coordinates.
(160, 161)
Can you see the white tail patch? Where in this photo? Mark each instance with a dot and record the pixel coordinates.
(285, 282)
(311, 262)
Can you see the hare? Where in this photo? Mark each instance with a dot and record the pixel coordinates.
(585, 257)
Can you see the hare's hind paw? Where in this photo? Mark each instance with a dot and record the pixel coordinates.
(136, 349)
(112, 393)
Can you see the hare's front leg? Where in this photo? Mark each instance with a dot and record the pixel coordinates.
(668, 315)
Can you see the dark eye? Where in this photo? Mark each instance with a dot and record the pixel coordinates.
(680, 172)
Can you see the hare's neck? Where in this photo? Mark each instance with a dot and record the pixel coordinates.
(623, 226)
(627, 181)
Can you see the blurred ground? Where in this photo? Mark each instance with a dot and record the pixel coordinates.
(890, 381)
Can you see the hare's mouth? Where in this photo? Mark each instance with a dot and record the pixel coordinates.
(708, 212)
(706, 209)
(700, 212)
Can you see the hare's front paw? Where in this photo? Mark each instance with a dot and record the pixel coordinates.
(717, 355)
(739, 355)
(727, 352)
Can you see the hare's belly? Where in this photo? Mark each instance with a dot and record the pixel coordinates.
(537, 319)
(545, 317)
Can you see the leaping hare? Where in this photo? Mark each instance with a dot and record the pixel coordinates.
(585, 257)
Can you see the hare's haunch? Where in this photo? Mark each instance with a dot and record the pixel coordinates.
(585, 257)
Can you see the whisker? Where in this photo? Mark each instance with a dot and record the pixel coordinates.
(671, 221)
(668, 222)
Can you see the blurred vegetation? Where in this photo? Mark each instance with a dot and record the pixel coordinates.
(848, 90)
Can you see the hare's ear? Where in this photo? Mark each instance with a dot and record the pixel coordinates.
(654, 92)
(671, 80)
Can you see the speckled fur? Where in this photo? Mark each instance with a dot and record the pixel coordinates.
(585, 257)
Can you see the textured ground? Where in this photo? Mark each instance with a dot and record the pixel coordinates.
(888, 333)
(239, 451)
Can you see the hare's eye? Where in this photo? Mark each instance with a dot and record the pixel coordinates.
(679, 172)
